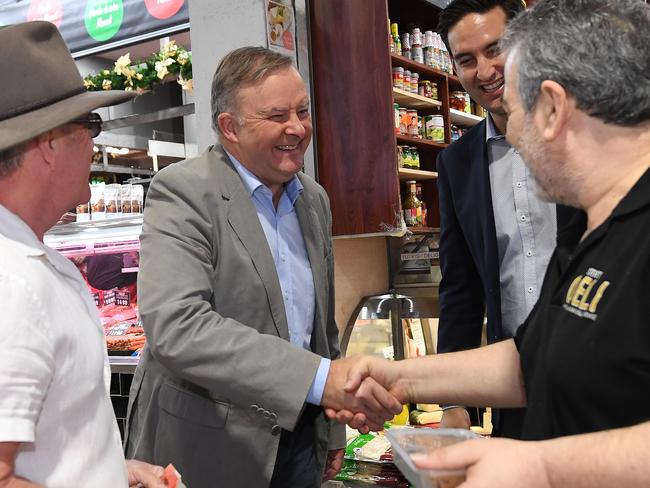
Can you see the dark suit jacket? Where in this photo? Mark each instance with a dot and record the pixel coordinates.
(469, 258)
(219, 378)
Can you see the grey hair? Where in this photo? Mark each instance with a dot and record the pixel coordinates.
(11, 158)
(596, 49)
(239, 68)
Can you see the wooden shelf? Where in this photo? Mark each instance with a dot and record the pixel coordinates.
(413, 100)
(454, 83)
(406, 174)
(421, 69)
(420, 143)
(424, 230)
(463, 118)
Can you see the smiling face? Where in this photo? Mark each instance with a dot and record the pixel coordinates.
(474, 43)
(545, 159)
(272, 128)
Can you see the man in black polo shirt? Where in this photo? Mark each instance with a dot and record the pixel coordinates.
(578, 101)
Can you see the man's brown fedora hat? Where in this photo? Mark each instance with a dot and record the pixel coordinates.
(40, 87)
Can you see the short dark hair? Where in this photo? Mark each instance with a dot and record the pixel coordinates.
(457, 9)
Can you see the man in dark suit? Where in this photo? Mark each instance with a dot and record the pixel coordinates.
(497, 236)
(236, 297)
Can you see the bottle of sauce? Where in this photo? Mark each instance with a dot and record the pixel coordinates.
(418, 194)
(412, 206)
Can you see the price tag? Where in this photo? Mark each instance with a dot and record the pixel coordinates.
(123, 298)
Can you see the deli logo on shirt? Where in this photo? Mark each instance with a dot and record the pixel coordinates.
(585, 293)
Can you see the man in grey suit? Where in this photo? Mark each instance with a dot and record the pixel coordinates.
(236, 298)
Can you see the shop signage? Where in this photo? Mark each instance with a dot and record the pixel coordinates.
(97, 25)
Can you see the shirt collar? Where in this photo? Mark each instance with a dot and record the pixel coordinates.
(637, 198)
(491, 131)
(293, 187)
(14, 228)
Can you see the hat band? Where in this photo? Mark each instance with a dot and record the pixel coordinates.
(40, 104)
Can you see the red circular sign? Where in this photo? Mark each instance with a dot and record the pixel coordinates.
(163, 9)
(50, 10)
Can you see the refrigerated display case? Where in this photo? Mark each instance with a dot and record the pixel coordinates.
(99, 240)
(393, 325)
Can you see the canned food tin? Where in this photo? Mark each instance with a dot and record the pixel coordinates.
(398, 77)
(435, 128)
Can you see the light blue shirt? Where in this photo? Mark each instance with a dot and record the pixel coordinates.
(284, 236)
(526, 229)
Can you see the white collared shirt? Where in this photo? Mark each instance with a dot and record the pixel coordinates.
(525, 229)
(54, 371)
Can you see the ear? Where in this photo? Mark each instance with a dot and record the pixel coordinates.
(48, 145)
(228, 126)
(553, 110)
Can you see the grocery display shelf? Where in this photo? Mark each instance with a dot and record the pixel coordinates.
(420, 143)
(413, 100)
(422, 69)
(463, 118)
(416, 174)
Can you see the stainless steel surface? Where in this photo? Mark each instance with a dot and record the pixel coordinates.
(123, 364)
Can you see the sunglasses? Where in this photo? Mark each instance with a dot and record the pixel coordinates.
(92, 121)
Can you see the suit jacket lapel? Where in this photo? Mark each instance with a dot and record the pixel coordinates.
(244, 222)
(489, 227)
(313, 242)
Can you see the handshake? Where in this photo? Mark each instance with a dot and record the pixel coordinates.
(364, 392)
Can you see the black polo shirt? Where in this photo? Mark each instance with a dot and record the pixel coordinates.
(585, 348)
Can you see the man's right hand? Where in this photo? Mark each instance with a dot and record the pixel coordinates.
(364, 405)
(455, 418)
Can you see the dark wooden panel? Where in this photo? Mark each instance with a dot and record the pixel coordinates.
(354, 125)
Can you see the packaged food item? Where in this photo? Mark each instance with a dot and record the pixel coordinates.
(125, 192)
(113, 198)
(398, 77)
(97, 202)
(435, 128)
(412, 116)
(457, 100)
(417, 53)
(172, 478)
(137, 199)
(406, 45)
(407, 80)
(83, 212)
(403, 121)
(406, 442)
(415, 77)
(397, 117)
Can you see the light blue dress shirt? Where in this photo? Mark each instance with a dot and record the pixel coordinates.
(284, 236)
(526, 229)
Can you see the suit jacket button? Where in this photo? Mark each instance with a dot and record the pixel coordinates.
(276, 429)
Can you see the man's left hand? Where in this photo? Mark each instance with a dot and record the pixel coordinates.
(334, 464)
(144, 475)
(491, 462)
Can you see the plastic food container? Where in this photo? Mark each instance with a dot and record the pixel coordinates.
(406, 442)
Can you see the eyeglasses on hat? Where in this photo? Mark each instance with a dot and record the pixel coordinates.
(92, 121)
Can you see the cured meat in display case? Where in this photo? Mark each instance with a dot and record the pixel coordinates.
(106, 252)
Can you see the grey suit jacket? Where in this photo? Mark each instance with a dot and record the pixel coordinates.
(219, 377)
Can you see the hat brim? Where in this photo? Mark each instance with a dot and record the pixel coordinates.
(24, 127)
